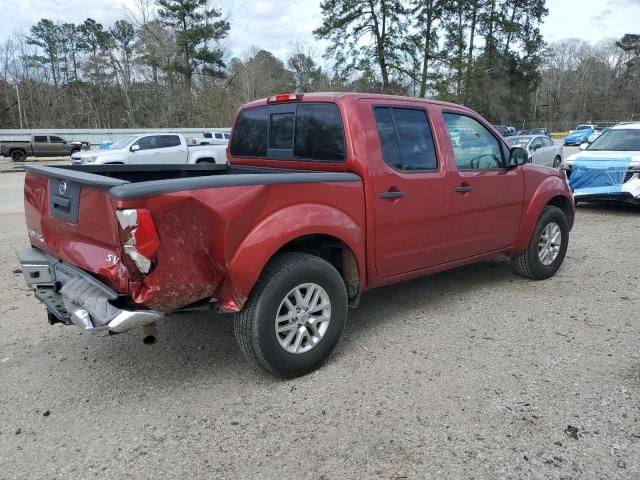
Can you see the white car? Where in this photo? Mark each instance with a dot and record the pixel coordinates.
(151, 148)
(609, 168)
(542, 150)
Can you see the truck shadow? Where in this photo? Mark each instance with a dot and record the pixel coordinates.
(197, 348)
(385, 305)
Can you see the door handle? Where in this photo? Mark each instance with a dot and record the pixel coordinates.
(392, 194)
(464, 188)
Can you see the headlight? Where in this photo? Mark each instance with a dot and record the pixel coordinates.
(89, 159)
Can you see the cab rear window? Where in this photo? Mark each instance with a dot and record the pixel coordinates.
(305, 132)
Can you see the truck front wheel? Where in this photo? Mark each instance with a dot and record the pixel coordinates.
(294, 317)
(547, 247)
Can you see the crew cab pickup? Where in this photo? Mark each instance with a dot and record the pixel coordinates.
(40, 146)
(325, 196)
(152, 148)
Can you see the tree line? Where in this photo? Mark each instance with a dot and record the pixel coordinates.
(597, 83)
(163, 66)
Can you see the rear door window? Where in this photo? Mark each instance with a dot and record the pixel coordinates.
(319, 134)
(405, 138)
(306, 132)
(40, 139)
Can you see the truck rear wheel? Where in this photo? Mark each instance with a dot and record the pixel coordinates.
(295, 316)
(547, 247)
(18, 156)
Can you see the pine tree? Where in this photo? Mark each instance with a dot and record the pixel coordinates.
(193, 23)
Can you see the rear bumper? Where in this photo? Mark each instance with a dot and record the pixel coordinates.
(72, 296)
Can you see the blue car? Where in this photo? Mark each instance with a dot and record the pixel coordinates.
(580, 135)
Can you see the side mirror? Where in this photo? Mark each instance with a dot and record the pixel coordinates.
(517, 157)
(584, 146)
(134, 148)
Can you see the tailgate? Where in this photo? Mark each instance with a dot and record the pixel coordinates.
(70, 216)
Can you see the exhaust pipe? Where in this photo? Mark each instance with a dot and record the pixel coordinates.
(149, 333)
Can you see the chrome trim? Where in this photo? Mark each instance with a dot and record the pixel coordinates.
(126, 320)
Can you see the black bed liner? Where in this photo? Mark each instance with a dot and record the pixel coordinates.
(127, 182)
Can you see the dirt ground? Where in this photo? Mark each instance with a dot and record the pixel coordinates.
(473, 373)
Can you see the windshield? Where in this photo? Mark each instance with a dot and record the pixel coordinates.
(583, 127)
(123, 142)
(518, 141)
(618, 140)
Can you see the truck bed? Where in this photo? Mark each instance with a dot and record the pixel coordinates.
(126, 182)
(202, 226)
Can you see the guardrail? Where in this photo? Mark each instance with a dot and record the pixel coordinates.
(97, 136)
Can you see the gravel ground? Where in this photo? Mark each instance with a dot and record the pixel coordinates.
(473, 373)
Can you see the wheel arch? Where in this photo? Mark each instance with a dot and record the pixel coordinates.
(552, 191)
(326, 232)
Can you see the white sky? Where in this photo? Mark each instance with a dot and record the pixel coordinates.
(277, 25)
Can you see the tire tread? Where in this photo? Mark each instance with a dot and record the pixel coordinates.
(245, 325)
(522, 263)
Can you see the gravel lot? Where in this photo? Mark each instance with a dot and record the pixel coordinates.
(473, 373)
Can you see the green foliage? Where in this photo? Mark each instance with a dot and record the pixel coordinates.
(192, 22)
(46, 35)
(307, 75)
(485, 53)
(168, 71)
(364, 34)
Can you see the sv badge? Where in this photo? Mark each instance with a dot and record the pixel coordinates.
(112, 259)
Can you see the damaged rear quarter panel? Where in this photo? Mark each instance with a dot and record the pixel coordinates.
(215, 242)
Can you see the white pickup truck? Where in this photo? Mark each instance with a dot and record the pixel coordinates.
(152, 148)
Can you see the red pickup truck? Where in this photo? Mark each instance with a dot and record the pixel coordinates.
(326, 195)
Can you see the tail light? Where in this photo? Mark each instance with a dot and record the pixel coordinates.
(143, 241)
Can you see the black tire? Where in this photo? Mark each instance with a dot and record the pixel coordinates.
(528, 263)
(209, 161)
(18, 155)
(557, 161)
(255, 327)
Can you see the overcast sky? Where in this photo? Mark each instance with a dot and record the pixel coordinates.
(277, 25)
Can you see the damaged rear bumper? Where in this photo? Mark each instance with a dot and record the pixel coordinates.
(72, 296)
